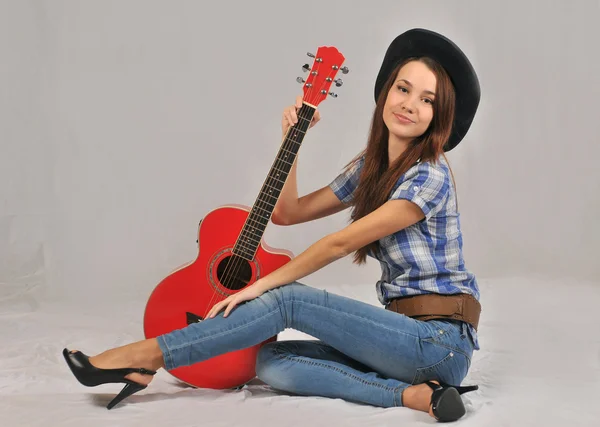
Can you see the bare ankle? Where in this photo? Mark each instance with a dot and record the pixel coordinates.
(417, 397)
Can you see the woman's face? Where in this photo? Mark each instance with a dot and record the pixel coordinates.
(412, 96)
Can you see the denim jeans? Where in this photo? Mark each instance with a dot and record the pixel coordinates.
(363, 353)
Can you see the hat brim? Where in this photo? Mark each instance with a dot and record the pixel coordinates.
(420, 42)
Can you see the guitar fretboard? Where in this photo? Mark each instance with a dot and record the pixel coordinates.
(258, 219)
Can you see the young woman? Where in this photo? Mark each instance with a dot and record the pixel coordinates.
(416, 352)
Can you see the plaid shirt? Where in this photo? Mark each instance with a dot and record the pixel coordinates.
(427, 256)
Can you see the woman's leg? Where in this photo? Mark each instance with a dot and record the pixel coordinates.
(395, 346)
(313, 368)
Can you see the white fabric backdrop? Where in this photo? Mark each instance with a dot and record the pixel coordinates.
(123, 122)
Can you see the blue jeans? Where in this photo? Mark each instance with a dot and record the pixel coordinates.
(363, 353)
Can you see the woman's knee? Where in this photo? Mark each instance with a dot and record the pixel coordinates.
(266, 365)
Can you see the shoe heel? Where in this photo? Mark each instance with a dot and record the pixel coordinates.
(446, 403)
(127, 391)
(466, 389)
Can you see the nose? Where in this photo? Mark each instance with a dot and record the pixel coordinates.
(407, 107)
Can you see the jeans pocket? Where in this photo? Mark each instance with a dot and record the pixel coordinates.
(450, 366)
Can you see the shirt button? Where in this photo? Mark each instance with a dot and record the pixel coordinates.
(415, 188)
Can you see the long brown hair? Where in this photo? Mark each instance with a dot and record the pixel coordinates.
(378, 178)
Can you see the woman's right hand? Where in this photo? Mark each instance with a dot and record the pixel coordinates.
(290, 116)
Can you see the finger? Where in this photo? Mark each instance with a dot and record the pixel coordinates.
(317, 116)
(294, 116)
(288, 121)
(217, 308)
(299, 101)
(229, 308)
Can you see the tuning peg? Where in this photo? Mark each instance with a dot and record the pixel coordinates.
(333, 94)
(345, 70)
(305, 68)
(300, 80)
(310, 54)
(338, 82)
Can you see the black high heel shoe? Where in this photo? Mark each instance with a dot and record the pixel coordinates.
(446, 402)
(90, 376)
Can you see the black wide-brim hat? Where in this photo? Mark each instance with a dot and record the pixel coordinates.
(420, 42)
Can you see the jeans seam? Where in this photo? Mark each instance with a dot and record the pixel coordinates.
(360, 317)
(454, 349)
(419, 371)
(168, 358)
(399, 394)
(301, 359)
(191, 343)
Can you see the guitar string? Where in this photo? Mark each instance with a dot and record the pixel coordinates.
(233, 266)
(235, 262)
(239, 261)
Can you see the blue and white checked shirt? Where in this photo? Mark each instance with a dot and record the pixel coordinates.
(427, 256)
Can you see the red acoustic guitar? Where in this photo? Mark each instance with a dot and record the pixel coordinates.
(231, 252)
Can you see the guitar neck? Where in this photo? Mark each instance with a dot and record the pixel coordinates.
(258, 219)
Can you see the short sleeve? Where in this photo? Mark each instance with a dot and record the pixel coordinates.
(346, 182)
(426, 186)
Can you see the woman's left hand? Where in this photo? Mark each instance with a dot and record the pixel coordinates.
(251, 292)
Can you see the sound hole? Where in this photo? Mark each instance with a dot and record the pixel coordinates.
(234, 272)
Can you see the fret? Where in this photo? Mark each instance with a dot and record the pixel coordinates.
(258, 207)
(270, 193)
(250, 228)
(272, 177)
(306, 120)
(250, 219)
(284, 153)
(247, 248)
(277, 173)
(257, 218)
(263, 209)
(281, 170)
(259, 227)
(274, 188)
(246, 234)
(283, 149)
(295, 142)
(285, 158)
(267, 203)
(250, 241)
(248, 254)
(284, 161)
(247, 237)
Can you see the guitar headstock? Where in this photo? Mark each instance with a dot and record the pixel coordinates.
(327, 63)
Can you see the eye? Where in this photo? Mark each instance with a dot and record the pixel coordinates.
(428, 101)
(402, 88)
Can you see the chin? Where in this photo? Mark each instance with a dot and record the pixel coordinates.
(403, 135)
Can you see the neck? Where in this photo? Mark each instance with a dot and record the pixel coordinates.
(396, 146)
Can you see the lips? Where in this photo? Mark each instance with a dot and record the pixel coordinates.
(403, 119)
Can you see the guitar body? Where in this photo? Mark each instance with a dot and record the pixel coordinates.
(188, 294)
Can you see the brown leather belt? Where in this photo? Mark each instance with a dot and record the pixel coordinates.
(436, 306)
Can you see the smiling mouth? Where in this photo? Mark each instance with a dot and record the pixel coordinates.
(403, 119)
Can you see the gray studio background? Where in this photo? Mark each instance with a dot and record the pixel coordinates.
(124, 122)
